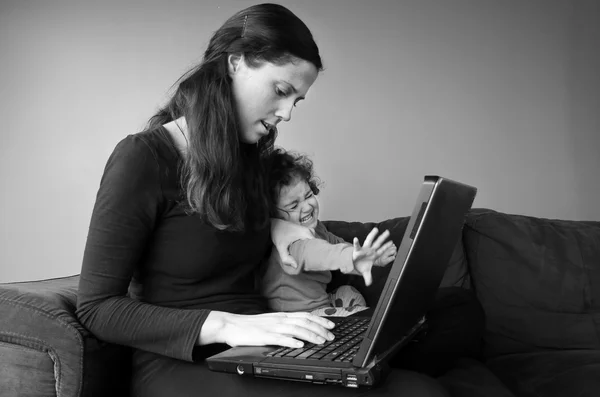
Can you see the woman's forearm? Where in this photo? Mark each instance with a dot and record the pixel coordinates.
(167, 331)
(213, 328)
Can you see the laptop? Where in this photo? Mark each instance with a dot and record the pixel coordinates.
(363, 344)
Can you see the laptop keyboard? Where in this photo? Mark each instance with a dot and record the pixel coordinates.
(348, 336)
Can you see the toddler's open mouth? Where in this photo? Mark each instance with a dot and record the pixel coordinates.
(307, 218)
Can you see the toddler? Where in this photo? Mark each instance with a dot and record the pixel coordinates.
(294, 187)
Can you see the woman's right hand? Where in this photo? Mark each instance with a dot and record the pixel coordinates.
(284, 233)
(280, 329)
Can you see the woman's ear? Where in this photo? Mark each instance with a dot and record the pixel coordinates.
(234, 62)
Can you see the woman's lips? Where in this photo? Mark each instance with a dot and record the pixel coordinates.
(269, 127)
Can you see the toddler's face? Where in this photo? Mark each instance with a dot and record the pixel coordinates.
(298, 204)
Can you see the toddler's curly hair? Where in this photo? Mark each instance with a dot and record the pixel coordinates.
(283, 169)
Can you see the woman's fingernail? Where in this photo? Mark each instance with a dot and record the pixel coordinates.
(330, 336)
(299, 344)
(320, 340)
(330, 324)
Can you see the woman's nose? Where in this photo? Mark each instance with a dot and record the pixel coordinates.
(285, 111)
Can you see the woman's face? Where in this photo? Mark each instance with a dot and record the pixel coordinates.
(266, 95)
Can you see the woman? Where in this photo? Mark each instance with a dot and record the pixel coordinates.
(181, 221)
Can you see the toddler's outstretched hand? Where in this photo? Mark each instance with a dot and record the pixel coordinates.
(388, 254)
(364, 257)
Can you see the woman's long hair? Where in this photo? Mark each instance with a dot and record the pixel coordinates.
(224, 179)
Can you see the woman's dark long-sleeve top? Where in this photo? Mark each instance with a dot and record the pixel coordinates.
(179, 267)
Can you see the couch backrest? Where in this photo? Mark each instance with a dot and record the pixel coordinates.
(537, 279)
(457, 273)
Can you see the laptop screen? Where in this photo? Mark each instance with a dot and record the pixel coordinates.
(430, 238)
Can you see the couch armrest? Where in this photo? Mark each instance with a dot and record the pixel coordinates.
(40, 316)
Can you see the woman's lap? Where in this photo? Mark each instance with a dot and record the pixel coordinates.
(160, 376)
(456, 326)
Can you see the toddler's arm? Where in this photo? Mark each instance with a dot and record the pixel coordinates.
(319, 255)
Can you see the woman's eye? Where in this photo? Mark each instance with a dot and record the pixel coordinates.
(280, 92)
(293, 207)
(309, 195)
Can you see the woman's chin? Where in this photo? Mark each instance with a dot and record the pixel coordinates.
(251, 137)
(249, 141)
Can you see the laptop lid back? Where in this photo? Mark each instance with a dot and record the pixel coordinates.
(430, 238)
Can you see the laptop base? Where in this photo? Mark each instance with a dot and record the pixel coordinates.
(244, 362)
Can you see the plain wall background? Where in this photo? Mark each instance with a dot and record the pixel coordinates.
(504, 95)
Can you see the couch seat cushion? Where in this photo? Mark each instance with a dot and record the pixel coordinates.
(566, 373)
(469, 377)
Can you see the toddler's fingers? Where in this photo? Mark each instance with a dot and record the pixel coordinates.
(385, 248)
(370, 237)
(381, 239)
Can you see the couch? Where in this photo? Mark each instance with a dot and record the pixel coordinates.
(538, 281)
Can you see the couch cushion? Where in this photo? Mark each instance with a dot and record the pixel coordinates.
(538, 281)
(550, 374)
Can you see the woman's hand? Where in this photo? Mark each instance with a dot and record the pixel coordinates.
(281, 329)
(284, 233)
(365, 257)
